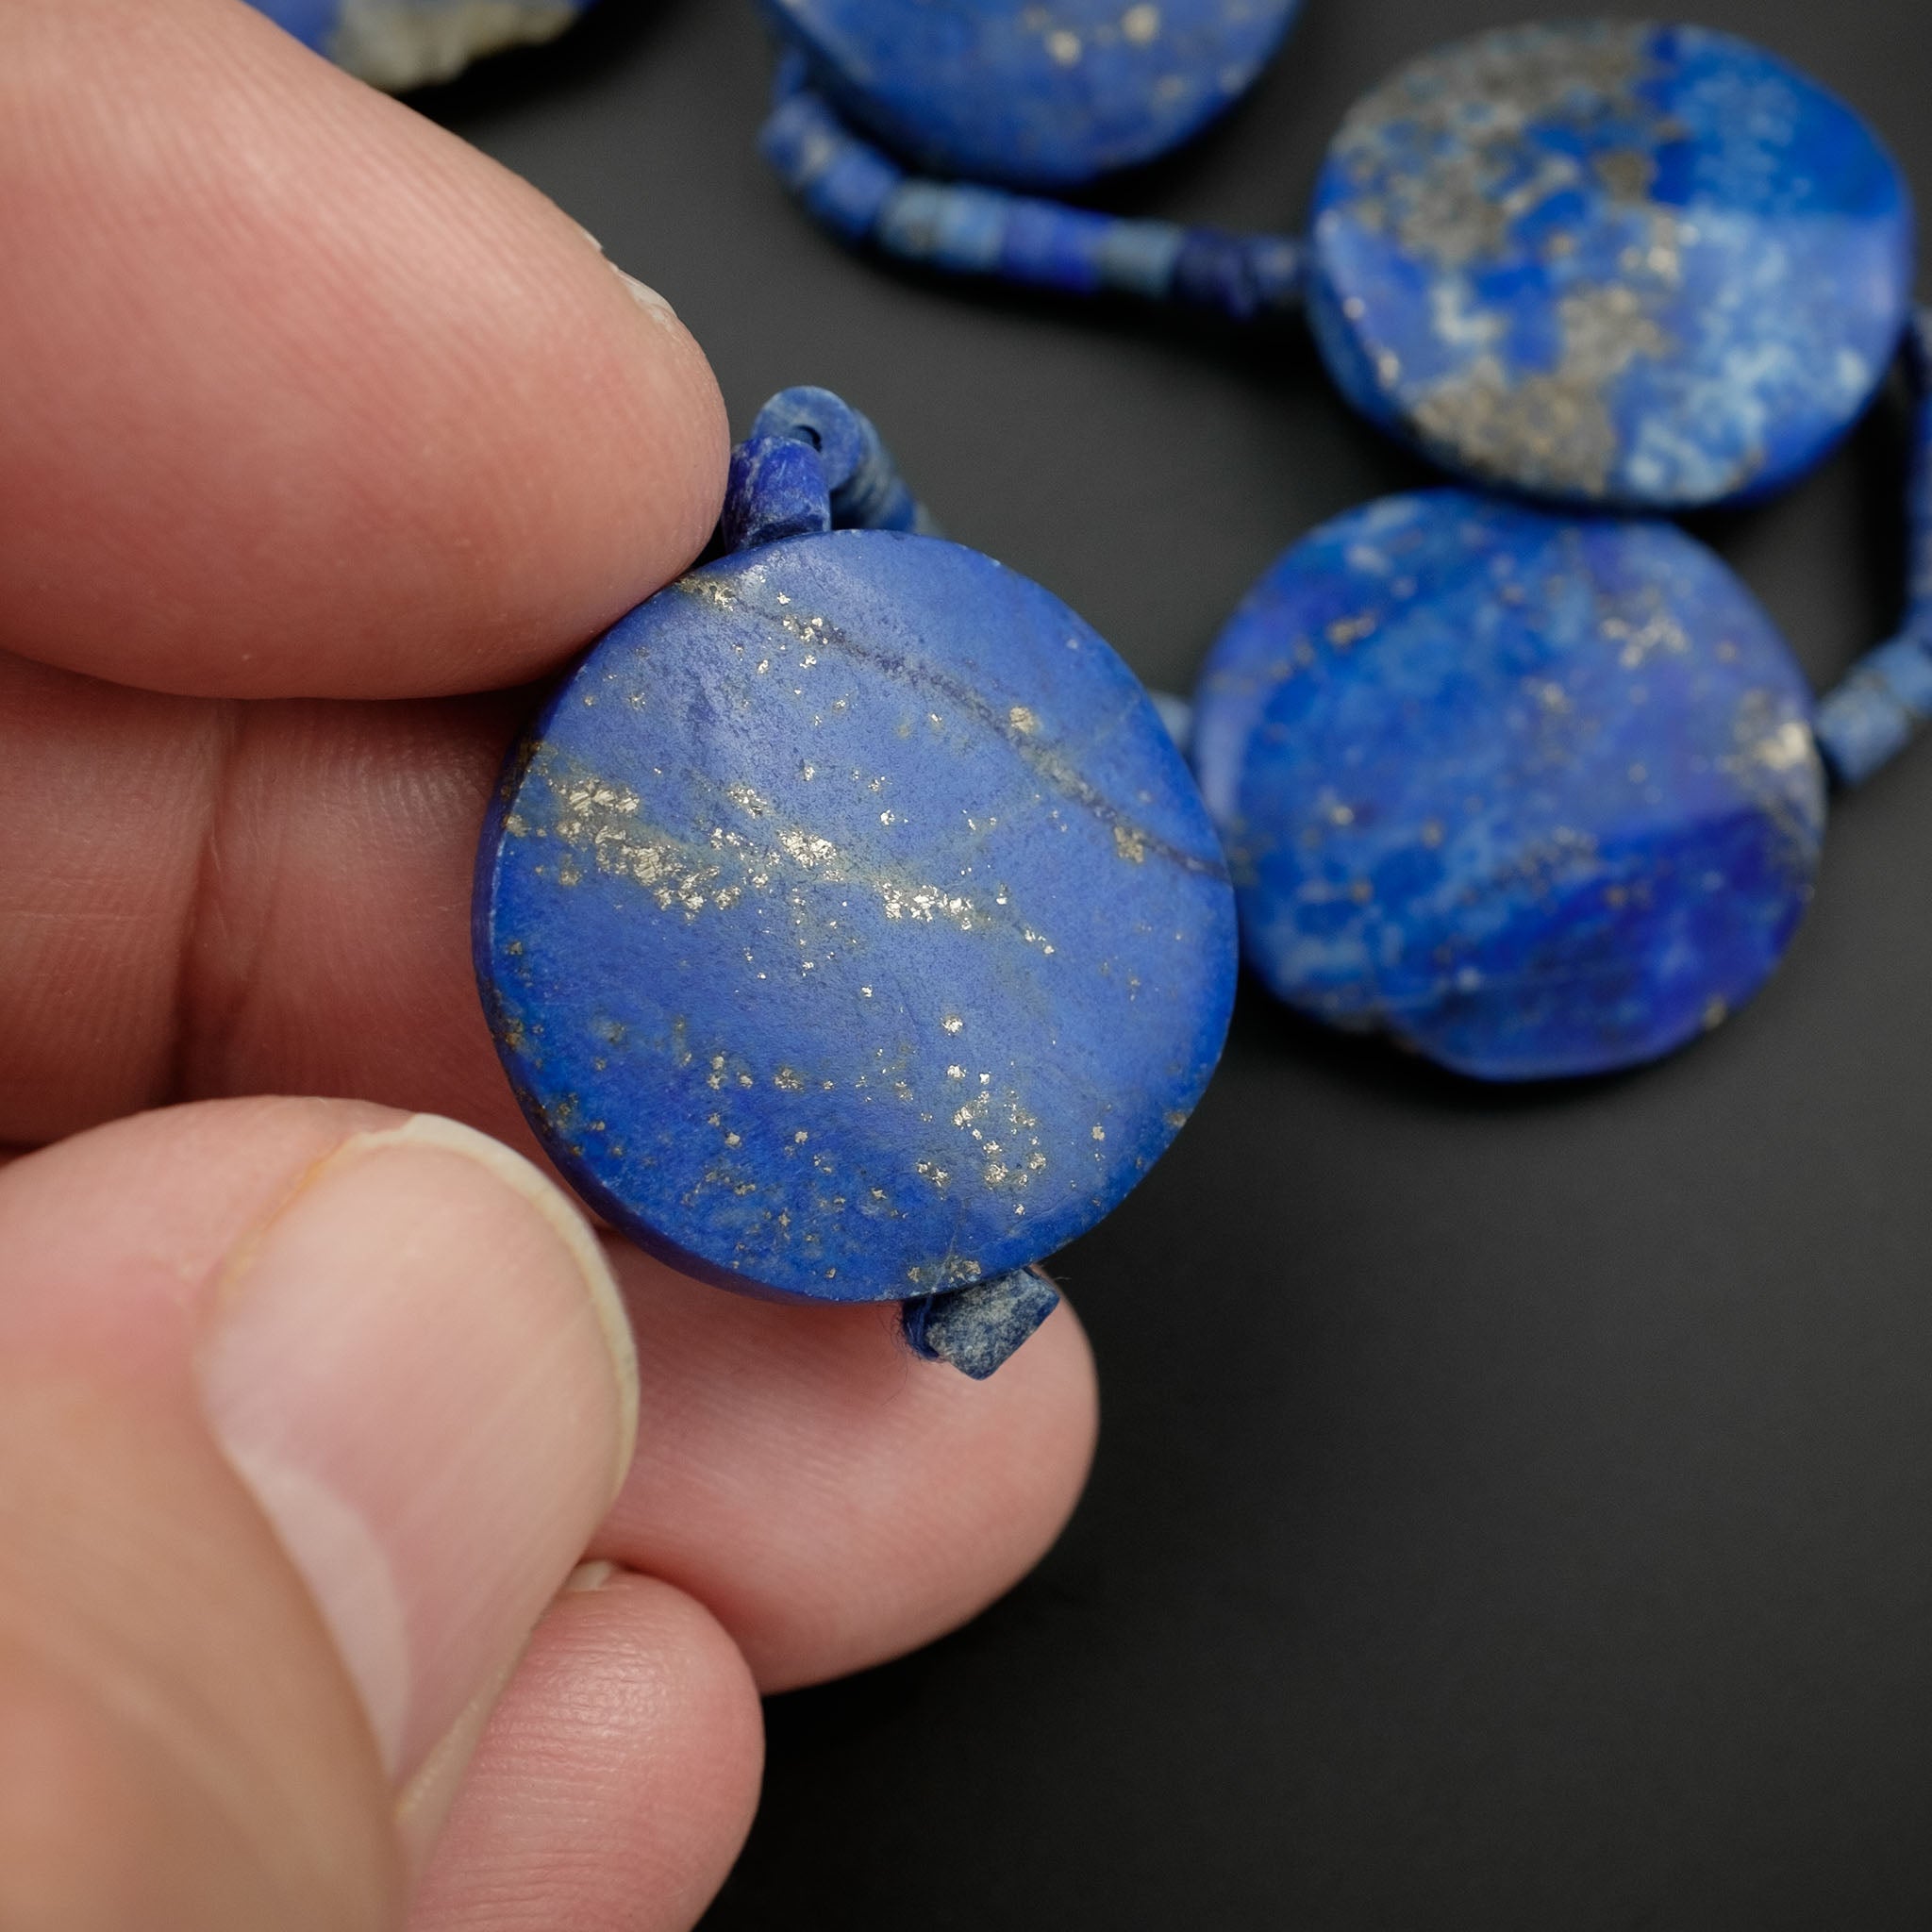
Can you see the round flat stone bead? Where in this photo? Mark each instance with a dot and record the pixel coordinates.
(1033, 96)
(1610, 262)
(849, 924)
(1536, 796)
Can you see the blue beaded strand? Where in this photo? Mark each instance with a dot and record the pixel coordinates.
(960, 229)
(1611, 264)
(1887, 699)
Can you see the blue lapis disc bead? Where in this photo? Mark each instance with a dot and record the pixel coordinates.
(1535, 796)
(1611, 263)
(406, 43)
(1032, 95)
(851, 928)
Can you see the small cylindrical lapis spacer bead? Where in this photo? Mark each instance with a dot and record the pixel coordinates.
(978, 1327)
(962, 228)
(777, 488)
(866, 490)
(1887, 699)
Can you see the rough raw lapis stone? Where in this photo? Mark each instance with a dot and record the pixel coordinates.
(1537, 796)
(1610, 262)
(850, 926)
(404, 44)
(1033, 96)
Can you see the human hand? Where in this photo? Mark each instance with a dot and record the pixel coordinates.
(321, 430)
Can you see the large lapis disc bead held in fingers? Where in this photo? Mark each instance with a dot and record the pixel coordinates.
(1032, 95)
(849, 925)
(1612, 262)
(1536, 796)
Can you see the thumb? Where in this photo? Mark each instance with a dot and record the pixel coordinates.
(307, 1409)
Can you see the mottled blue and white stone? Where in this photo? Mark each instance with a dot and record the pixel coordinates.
(1535, 796)
(1610, 262)
(852, 929)
(404, 44)
(1034, 95)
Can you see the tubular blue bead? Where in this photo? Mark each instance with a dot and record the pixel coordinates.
(1050, 247)
(866, 490)
(1212, 272)
(1279, 265)
(844, 183)
(1243, 278)
(844, 440)
(977, 1330)
(945, 226)
(1137, 257)
(1918, 360)
(1879, 709)
(1885, 700)
(852, 193)
(777, 488)
(800, 140)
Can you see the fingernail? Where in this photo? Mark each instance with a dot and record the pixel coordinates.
(424, 1803)
(647, 297)
(422, 1369)
(429, 1793)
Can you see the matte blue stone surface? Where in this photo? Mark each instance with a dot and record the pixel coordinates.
(1034, 95)
(1535, 796)
(404, 44)
(849, 924)
(1610, 262)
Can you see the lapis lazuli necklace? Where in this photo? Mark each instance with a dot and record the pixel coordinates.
(847, 922)
(1618, 264)
(1534, 794)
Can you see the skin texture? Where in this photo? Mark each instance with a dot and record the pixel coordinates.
(324, 436)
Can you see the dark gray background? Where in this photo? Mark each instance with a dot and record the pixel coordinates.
(1514, 1509)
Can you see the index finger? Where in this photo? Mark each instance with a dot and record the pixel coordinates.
(304, 396)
